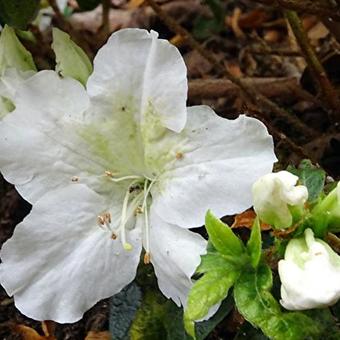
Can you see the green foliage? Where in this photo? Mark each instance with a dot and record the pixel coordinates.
(123, 307)
(221, 267)
(159, 318)
(18, 13)
(222, 237)
(255, 302)
(205, 27)
(311, 177)
(229, 264)
(254, 245)
(88, 5)
(13, 53)
(71, 60)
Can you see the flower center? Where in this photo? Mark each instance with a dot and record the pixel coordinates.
(136, 201)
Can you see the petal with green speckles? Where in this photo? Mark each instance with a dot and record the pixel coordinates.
(135, 68)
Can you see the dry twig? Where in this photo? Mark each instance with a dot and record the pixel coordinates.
(317, 70)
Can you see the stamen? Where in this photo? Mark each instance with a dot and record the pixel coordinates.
(123, 219)
(120, 179)
(75, 179)
(146, 221)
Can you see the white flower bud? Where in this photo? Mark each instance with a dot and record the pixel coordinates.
(309, 273)
(275, 194)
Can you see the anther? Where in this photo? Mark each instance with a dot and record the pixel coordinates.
(113, 236)
(139, 210)
(75, 179)
(179, 155)
(107, 217)
(109, 174)
(100, 220)
(147, 258)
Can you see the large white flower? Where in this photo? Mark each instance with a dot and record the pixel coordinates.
(310, 274)
(122, 166)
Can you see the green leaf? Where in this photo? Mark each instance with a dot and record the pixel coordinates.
(311, 177)
(255, 302)
(88, 5)
(222, 237)
(254, 245)
(220, 273)
(18, 13)
(13, 53)
(159, 318)
(123, 308)
(71, 60)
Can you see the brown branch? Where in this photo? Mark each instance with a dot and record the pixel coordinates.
(106, 17)
(329, 94)
(306, 7)
(270, 87)
(249, 92)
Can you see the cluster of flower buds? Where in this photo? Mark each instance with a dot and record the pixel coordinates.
(310, 270)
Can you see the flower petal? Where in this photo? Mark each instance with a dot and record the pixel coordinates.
(59, 263)
(135, 69)
(212, 165)
(175, 255)
(39, 145)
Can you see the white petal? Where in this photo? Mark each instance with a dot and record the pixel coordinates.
(214, 166)
(59, 263)
(136, 70)
(175, 255)
(39, 144)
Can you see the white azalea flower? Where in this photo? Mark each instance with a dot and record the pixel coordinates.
(275, 194)
(121, 167)
(310, 274)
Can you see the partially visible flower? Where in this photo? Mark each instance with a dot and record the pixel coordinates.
(326, 214)
(309, 273)
(16, 65)
(119, 166)
(44, 17)
(275, 196)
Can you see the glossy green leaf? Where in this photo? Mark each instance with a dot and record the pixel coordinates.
(255, 302)
(222, 237)
(13, 53)
(88, 5)
(254, 245)
(159, 318)
(18, 13)
(220, 273)
(310, 176)
(71, 60)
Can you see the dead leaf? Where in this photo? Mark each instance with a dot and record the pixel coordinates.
(233, 23)
(177, 40)
(246, 220)
(92, 335)
(135, 4)
(253, 19)
(48, 328)
(28, 333)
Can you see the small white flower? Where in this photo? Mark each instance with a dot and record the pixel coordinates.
(274, 194)
(309, 273)
(114, 169)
